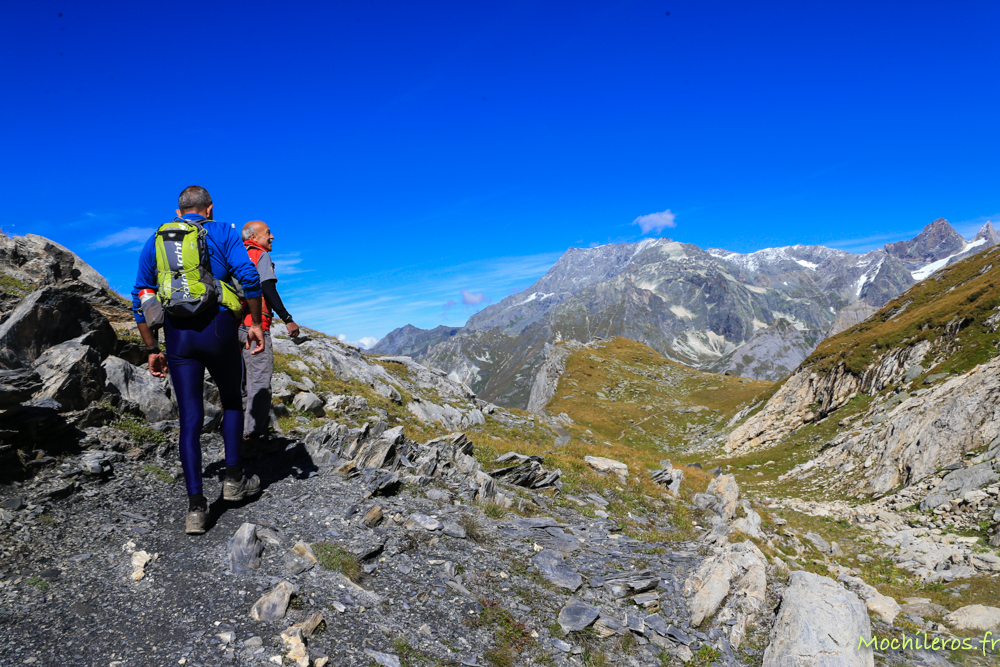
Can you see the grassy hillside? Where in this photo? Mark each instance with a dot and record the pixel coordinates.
(957, 302)
(629, 403)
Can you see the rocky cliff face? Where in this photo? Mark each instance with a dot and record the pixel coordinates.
(758, 314)
(921, 377)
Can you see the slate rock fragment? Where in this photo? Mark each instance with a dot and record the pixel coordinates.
(577, 615)
(244, 550)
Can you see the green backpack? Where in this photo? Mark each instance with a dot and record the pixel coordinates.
(185, 285)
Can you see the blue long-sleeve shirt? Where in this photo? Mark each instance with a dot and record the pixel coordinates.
(225, 250)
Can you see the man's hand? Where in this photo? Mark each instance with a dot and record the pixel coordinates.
(158, 365)
(255, 333)
(293, 329)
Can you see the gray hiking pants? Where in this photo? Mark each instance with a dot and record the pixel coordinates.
(257, 371)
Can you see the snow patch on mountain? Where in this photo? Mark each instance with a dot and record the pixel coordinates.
(931, 268)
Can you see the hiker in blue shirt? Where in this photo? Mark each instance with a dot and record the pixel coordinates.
(205, 340)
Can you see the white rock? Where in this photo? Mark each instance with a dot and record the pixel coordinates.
(975, 617)
(601, 464)
(737, 571)
(819, 624)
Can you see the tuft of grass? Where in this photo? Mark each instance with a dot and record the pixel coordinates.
(337, 559)
(412, 657)
(38, 583)
(493, 511)
(139, 430)
(13, 285)
(510, 635)
(159, 473)
(499, 657)
(706, 655)
(47, 520)
(473, 529)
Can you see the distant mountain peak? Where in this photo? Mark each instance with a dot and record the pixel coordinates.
(988, 234)
(938, 239)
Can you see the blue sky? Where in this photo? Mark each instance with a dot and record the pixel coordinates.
(417, 161)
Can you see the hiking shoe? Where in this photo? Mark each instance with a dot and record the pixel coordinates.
(196, 521)
(246, 487)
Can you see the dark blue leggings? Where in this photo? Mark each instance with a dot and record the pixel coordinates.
(192, 345)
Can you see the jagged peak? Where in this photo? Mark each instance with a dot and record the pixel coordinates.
(988, 233)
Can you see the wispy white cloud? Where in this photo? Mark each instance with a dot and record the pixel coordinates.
(287, 264)
(870, 242)
(127, 236)
(655, 222)
(472, 298)
(365, 342)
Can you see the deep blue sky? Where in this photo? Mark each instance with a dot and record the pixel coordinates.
(403, 152)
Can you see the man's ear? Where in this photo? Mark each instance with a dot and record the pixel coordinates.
(209, 211)
(178, 212)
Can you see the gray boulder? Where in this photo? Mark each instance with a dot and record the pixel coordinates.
(959, 482)
(17, 386)
(346, 404)
(447, 415)
(819, 624)
(975, 617)
(577, 615)
(138, 386)
(36, 259)
(244, 550)
(71, 374)
(552, 566)
(309, 403)
(388, 391)
(47, 317)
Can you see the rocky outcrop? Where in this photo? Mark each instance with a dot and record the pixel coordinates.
(47, 317)
(736, 575)
(448, 416)
(808, 395)
(547, 378)
(958, 483)
(916, 436)
(819, 623)
(71, 373)
(135, 384)
(802, 399)
(37, 260)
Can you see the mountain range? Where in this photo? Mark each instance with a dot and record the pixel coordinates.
(755, 314)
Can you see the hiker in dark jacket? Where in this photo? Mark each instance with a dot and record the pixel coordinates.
(206, 340)
(258, 239)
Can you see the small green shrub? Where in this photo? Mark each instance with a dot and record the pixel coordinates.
(493, 510)
(139, 430)
(38, 583)
(336, 558)
(159, 473)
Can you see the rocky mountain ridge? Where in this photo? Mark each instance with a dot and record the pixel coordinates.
(757, 314)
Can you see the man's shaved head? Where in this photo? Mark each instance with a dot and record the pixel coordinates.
(259, 232)
(251, 228)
